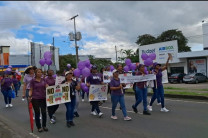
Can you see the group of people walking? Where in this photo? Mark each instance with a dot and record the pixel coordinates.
(36, 82)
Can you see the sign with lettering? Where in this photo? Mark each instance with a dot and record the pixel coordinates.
(107, 75)
(57, 94)
(140, 78)
(98, 92)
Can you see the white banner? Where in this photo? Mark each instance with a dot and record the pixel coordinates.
(57, 94)
(164, 76)
(59, 79)
(107, 76)
(98, 92)
(140, 78)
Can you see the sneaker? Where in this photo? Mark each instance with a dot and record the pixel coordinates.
(149, 108)
(158, 103)
(10, 105)
(127, 118)
(71, 123)
(134, 109)
(33, 118)
(93, 113)
(164, 110)
(54, 117)
(100, 114)
(68, 124)
(40, 117)
(40, 130)
(45, 128)
(76, 114)
(52, 121)
(82, 100)
(146, 113)
(7, 105)
(114, 117)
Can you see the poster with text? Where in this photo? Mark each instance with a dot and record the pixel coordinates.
(128, 85)
(164, 76)
(57, 94)
(197, 66)
(98, 92)
(107, 76)
(59, 79)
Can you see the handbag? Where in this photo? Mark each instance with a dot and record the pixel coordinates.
(13, 94)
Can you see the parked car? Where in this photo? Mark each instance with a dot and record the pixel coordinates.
(195, 78)
(177, 77)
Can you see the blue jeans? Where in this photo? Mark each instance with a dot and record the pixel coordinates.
(16, 87)
(156, 94)
(159, 93)
(7, 96)
(115, 99)
(83, 94)
(70, 109)
(141, 96)
(19, 85)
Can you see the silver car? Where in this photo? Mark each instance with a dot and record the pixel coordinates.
(195, 78)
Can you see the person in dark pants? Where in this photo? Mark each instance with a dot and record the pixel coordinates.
(37, 95)
(16, 84)
(50, 80)
(70, 106)
(95, 79)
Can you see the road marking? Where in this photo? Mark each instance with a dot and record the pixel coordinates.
(119, 109)
(187, 101)
(34, 135)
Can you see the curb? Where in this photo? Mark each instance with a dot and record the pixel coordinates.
(204, 98)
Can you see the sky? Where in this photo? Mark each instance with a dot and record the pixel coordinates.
(103, 25)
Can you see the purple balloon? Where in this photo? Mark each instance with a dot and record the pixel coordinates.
(86, 72)
(86, 89)
(54, 76)
(10, 66)
(9, 69)
(76, 72)
(87, 63)
(152, 56)
(128, 61)
(42, 62)
(133, 66)
(111, 68)
(81, 65)
(83, 85)
(47, 55)
(68, 65)
(126, 68)
(148, 62)
(48, 62)
(144, 56)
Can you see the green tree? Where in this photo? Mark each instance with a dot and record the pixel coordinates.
(66, 59)
(175, 34)
(146, 39)
(129, 53)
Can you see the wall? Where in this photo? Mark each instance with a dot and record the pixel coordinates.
(20, 59)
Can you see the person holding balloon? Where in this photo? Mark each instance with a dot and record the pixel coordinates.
(141, 92)
(159, 90)
(70, 105)
(95, 79)
(50, 80)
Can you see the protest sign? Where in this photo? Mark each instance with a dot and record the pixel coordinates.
(98, 92)
(59, 79)
(128, 85)
(164, 76)
(107, 75)
(57, 94)
(140, 78)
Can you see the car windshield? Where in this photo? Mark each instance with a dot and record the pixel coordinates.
(191, 74)
(174, 75)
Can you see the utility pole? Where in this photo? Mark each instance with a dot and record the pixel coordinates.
(116, 53)
(75, 40)
(53, 50)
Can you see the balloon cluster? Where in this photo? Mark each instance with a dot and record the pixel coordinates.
(84, 87)
(129, 66)
(148, 59)
(83, 68)
(47, 59)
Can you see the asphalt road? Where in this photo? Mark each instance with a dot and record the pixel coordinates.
(186, 119)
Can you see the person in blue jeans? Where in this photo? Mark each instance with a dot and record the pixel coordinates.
(16, 84)
(6, 88)
(159, 90)
(117, 96)
(70, 106)
(141, 92)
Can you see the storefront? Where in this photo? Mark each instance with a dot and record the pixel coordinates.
(186, 62)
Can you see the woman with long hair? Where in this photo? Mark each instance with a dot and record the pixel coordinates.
(37, 95)
(70, 105)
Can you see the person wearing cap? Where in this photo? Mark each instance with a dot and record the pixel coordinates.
(71, 105)
(141, 92)
(6, 88)
(37, 95)
(50, 80)
(95, 79)
(117, 96)
(159, 90)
